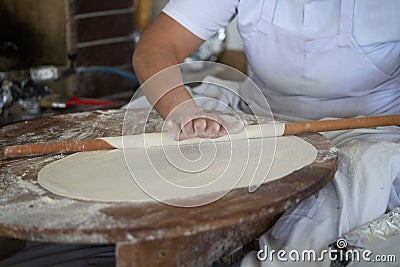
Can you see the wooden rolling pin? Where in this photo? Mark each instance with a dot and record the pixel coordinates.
(289, 129)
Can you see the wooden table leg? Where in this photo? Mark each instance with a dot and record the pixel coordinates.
(193, 250)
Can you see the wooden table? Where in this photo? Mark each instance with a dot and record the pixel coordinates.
(152, 234)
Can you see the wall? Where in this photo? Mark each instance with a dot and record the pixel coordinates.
(102, 34)
(37, 27)
(97, 32)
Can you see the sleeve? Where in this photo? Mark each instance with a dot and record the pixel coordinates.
(202, 17)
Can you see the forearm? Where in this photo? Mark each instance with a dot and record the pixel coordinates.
(150, 60)
(163, 45)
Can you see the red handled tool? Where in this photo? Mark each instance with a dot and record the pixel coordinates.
(75, 101)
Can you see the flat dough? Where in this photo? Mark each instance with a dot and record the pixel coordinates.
(163, 139)
(208, 168)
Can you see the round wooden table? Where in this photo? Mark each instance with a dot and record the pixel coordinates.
(151, 234)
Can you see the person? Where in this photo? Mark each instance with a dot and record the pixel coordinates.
(313, 60)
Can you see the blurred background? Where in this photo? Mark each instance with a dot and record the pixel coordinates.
(72, 55)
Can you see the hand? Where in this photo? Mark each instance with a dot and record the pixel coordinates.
(184, 125)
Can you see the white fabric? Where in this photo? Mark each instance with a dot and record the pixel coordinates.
(327, 75)
(375, 21)
(210, 95)
(307, 94)
(377, 32)
(360, 192)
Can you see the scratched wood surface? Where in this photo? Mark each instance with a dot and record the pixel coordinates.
(29, 212)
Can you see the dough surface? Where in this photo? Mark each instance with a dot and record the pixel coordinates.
(149, 140)
(207, 168)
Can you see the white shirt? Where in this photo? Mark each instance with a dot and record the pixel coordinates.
(376, 22)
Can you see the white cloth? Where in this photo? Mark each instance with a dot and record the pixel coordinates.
(364, 187)
(320, 78)
(307, 19)
(212, 94)
(292, 95)
(317, 59)
(376, 32)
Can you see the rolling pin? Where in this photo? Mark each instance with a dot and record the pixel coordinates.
(153, 139)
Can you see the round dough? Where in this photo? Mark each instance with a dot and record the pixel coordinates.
(113, 175)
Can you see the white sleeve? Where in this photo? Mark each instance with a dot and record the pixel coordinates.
(202, 17)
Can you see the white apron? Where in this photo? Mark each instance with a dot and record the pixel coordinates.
(328, 77)
(315, 79)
